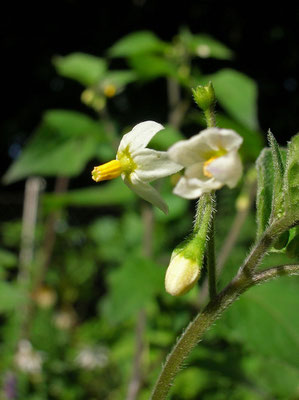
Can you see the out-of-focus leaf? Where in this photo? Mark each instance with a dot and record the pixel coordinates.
(61, 145)
(7, 259)
(205, 46)
(131, 287)
(274, 377)
(150, 66)
(265, 320)
(106, 194)
(141, 42)
(84, 68)
(119, 78)
(237, 93)
(11, 297)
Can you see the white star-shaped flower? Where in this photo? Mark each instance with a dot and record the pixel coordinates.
(139, 165)
(211, 160)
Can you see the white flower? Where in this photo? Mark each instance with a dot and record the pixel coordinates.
(138, 165)
(181, 275)
(92, 357)
(211, 160)
(27, 359)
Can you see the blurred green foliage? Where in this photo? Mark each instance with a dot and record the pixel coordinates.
(80, 299)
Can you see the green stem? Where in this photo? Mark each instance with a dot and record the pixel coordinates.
(211, 264)
(210, 117)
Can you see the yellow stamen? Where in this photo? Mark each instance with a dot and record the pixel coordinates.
(206, 172)
(104, 172)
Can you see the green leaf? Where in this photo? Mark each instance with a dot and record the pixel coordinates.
(119, 79)
(237, 94)
(149, 66)
(205, 46)
(11, 297)
(132, 287)
(84, 68)
(61, 145)
(112, 193)
(265, 320)
(278, 172)
(291, 178)
(141, 42)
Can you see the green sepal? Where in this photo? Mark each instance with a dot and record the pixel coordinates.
(291, 179)
(264, 166)
(278, 173)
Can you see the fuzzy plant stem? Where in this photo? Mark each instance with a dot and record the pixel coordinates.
(245, 279)
(210, 254)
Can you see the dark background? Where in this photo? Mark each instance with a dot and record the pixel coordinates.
(265, 42)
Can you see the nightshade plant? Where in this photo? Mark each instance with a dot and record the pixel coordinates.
(84, 309)
(212, 160)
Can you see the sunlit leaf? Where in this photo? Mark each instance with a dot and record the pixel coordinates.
(205, 46)
(237, 94)
(61, 145)
(84, 68)
(141, 42)
(106, 194)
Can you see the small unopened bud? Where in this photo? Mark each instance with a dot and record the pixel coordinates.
(204, 96)
(181, 275)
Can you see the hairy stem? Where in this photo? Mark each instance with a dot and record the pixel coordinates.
(210, 253)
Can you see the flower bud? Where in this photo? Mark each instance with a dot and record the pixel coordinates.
(204, 96)
(181, 275)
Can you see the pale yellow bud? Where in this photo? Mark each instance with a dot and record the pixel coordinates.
(181, 275)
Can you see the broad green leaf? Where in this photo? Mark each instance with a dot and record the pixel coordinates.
(237, 94)
(291, 178)
(273, 377)
(150, 66)
(11, 297)
(119, 79)
(264, 166)
(106, 194)
(141, 42)
(131, 287)
(204, 46)
(61, 145)
(265, 320)
(278, 172)
(84, 68)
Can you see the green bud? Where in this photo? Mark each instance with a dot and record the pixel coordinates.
(204, 96)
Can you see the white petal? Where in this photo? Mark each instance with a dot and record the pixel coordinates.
(226, 169)
(146, 192)
(194, 188)
(188, 152)
(152, 164)
(202, 146)
(139, 136)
